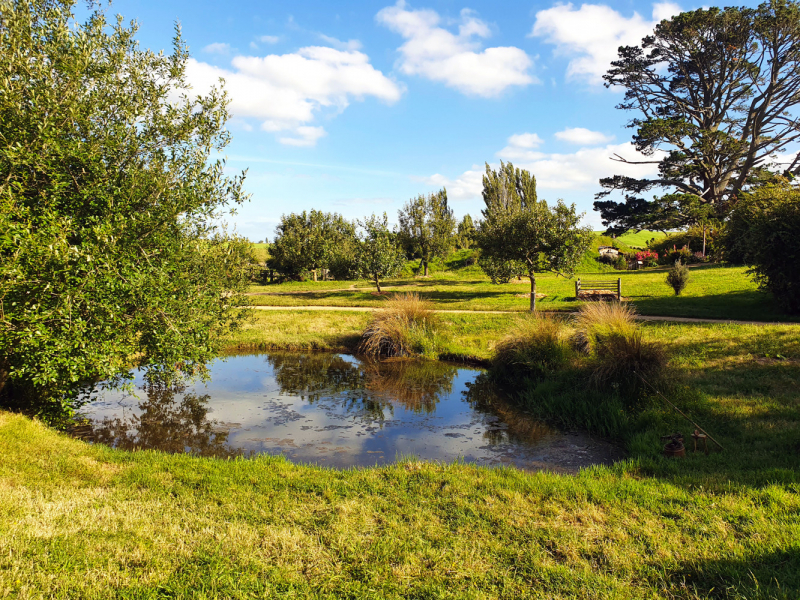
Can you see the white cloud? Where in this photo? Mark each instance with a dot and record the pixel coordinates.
(467, 186)
(340, 45)
(306, 136)
(592, 34)
(286, 92)
(269, 39)
(525, 140)
(217, 48)
(455, 59)
(579, 170)
(583, 136)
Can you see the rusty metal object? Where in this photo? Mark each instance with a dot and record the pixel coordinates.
(674, 447)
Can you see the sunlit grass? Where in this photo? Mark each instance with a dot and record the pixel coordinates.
(713, 292)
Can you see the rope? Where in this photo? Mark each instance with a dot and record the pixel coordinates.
(700, 429)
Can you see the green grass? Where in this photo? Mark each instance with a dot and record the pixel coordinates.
(717, 292)
(86, 521)
(260, 251)
(639, 239)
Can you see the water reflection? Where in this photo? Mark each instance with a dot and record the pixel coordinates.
(169, 419)
(337, 410)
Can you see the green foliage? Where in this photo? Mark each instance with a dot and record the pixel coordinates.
(426, 227)
(520, 228)
(465, 234)
(692, 239)
(500, 271)
(378, 254)
(314, 240)
(705, 86)
(678, 277)
(108, 195)
(764, 230)
(538, 346)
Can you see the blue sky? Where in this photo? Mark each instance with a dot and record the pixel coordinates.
(356, 107)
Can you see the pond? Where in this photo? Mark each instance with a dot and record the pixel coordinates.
(337, 410)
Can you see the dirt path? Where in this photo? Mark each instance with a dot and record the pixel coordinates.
(509, 312)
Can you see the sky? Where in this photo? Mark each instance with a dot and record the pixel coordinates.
(356, 107)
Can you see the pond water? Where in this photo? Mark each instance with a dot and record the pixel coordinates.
(338, 411)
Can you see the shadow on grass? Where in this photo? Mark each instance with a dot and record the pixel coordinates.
(767, 574)
(748, 305)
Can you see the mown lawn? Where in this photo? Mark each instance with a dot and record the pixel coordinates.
(713, 292)
(86, 521)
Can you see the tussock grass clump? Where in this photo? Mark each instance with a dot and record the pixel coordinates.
(407, 326)
(609, 332)
(538, 346)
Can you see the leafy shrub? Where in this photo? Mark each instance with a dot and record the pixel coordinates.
(608, 331)
(620, 263)
(692, 240)
(343, 266)
(648, 257)
(407, 326)
(678, 277)
(767, 228)
(539, 345)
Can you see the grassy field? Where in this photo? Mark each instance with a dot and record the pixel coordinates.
(713, 292)
(86, 521)
(639, 239)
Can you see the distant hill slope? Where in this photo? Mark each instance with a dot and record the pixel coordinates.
(636, 239)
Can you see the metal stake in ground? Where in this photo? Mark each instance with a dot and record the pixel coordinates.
(680, 411)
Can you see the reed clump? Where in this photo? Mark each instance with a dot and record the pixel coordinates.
(405, 327)
(623, 359)
(539, 346)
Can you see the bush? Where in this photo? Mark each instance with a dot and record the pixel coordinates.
(608, 331)
(648, 257)
(539, 346)
(407, 326)
(766, 225)
(692, 241)
(343, 266)
(678, 277)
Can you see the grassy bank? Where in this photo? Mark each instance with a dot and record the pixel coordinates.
(713, 292)
(87, 521)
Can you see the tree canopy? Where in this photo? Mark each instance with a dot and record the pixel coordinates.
(309, 240)
(519, 227)
(378, 254)
(715, 92)
(108, 195)
(426, 226)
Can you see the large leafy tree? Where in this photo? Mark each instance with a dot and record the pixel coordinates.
(309, 240)
(427, 225)
(108, 192)
(519, 228)
(715, 92)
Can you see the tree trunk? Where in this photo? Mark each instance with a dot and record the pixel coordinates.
(421, 263)
(704, 240)
(533, 292)
(378, 284)
(426, 268)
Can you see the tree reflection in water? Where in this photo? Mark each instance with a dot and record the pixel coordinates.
(515, 425)
(365, 388)
(170, 421)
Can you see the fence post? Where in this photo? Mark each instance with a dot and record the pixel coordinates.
(619, 289)
(577, 287)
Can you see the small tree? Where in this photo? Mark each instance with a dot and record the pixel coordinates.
(426, 226)
(307, 241)
(378, 255)
(678, 277)
(519, 227)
